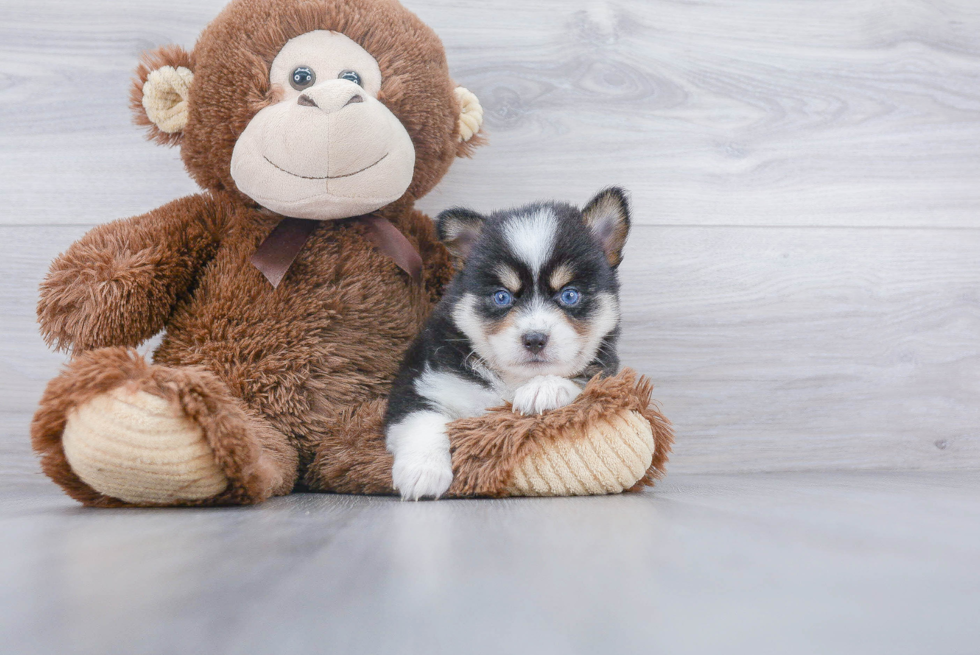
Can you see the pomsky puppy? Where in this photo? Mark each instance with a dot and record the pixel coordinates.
(533, 314)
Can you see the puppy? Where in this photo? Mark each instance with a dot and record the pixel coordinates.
(532, 315)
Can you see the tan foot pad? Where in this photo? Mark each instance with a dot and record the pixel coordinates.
(141, 449)
(613, 458)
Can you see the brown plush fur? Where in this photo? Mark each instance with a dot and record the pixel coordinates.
(486, 449)
(287, 383)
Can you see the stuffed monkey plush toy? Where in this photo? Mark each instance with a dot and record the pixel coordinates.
(289, 288)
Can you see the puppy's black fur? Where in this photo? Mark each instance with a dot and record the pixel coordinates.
(585, 250)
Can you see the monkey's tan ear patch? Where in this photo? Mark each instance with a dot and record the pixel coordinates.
(469, 123)
(165, 96)
(161, 93)
(470, 113)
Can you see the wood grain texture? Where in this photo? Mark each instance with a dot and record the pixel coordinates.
(809, 348)
(803, 286)
(756, 112)
(771, 349)
(848, 563)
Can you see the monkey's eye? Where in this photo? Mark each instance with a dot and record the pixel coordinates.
(302, 78)
(350, 76)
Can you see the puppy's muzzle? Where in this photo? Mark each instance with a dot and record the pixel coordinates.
(535, 342)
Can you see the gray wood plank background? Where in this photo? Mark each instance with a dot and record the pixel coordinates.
(803, 282)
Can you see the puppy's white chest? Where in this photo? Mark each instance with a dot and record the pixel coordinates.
(455, 396)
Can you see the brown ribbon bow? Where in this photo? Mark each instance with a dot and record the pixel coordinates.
(277, 253)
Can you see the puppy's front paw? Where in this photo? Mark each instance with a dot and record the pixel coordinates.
(543, 393)
(423, 467)
(422, 476)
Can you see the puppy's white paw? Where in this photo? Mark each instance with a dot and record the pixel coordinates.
(543, 393)
(423, 467)
(422, 477)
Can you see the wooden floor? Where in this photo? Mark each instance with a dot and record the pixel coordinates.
(847, 562)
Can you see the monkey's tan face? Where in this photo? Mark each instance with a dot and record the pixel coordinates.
(329, 148)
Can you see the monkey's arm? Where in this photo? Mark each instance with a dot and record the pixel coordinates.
(117, 285)
(438, 268)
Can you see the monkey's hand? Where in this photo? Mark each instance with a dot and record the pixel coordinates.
(117, 285)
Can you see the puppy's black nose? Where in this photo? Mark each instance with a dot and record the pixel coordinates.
(535, 341)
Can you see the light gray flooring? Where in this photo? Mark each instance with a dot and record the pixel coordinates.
(847, 562)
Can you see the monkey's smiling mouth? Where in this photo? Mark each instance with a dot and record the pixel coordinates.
(326, 177)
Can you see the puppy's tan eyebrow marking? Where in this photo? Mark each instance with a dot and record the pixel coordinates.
(561, 276)
(509, 278)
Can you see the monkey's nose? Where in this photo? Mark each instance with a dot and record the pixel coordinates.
(330, 102)
(535, 341)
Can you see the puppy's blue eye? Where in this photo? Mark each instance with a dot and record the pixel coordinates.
(350, 76)
(503, 298)
(569, 297)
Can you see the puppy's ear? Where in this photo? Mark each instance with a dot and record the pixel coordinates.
(608, 216)
(459, 229)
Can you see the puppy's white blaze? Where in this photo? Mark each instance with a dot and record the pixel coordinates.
(423, 466)
(531, 238)
(456, 397)
(538, 317)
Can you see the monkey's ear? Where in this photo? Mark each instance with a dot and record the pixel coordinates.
(608, 216)
(459, 229)
(160, 93)
(469, 123)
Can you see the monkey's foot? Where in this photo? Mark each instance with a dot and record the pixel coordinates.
(615, 456)
(141, 448)
(114, 430)
(612, 438)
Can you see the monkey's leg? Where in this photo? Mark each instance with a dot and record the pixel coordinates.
(114, 431)
(352, 457)
(611, 439)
